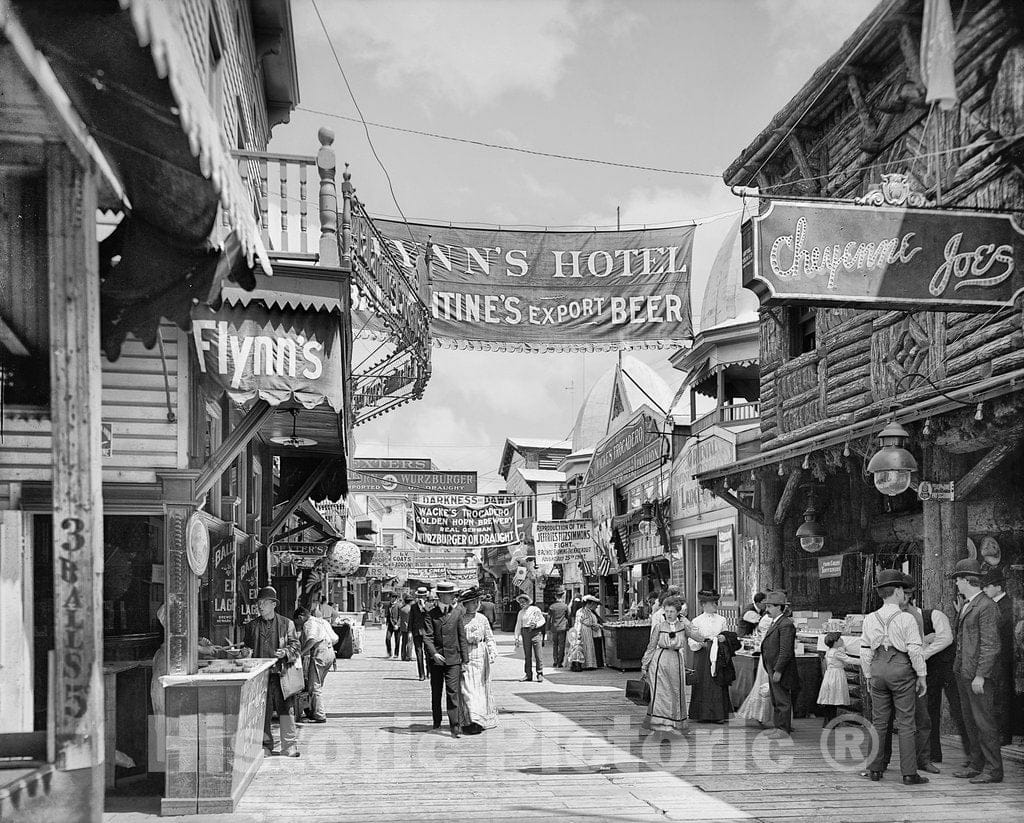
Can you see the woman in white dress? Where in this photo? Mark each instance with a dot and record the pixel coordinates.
(588, 635)
(758, 704)
(478, 709)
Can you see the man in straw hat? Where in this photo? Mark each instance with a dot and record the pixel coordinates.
(444, 637)
(273, 635)
(892, 659)
(529, 632)
(976, 667)
(417, 625)
(779, 661)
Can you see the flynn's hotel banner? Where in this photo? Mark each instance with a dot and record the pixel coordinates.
(552, 290)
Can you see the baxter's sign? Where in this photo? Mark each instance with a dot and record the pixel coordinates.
(883, 257)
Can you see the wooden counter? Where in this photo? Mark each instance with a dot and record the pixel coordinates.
(624, 646)
(214, 738)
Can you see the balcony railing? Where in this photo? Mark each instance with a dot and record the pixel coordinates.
(342, 235)
(724, 415)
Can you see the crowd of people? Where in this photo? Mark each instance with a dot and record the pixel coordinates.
(910, 658)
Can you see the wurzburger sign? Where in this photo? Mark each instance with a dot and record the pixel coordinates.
(553, 290)
(467, 521)
(884, 257)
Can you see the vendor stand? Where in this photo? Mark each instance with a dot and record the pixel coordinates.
(625, 643)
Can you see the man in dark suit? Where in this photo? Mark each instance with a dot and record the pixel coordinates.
(273, 635)
(417, 625)
(976, 667)
(487, 609)
(995, 588)
(444, 637)
(779, 661)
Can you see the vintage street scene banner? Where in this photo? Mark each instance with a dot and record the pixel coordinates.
(563, 541)
(552, 290)
(465, 521)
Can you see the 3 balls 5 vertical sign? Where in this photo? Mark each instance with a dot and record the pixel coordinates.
(71, 624)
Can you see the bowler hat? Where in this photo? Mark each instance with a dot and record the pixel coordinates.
(776, 599)
(966, 568)
(525, 599)
(267, 593)
(891, 577)
(909, 584)
(995, 577)
(445, 587)
(472, 593)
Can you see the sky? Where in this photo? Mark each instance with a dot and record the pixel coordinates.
(672, 84)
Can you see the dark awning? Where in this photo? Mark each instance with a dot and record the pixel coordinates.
(136, 86)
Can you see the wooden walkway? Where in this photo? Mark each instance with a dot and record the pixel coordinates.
(571, 749)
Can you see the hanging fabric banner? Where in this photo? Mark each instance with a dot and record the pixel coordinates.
(563, 541)
(552, 290)
(466, 521)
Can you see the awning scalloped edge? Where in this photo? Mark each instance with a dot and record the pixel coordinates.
(152, 21)
(535, 348)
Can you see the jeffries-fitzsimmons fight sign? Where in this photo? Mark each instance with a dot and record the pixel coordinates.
(467, 521)
(883, 257)
(553, 289)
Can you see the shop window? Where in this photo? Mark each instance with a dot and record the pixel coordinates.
(557, 510)
(803, 335)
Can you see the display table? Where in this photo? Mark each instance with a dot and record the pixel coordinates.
(808, 667)
(624, 645)
(214, 738)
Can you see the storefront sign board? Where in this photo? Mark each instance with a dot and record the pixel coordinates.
(363, 481)
(247, 583)
(393, 464)
(552, 289)
(700, 455)
(465, 521)
(635, 449)
(830, 566)
(883, 257)
(563, 541)
(222, 581)
(726, 564)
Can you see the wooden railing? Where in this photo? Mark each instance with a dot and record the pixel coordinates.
(340, 234)
(724, 415)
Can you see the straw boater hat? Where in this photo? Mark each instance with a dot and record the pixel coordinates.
(422, 591)
(445, 587)
(524, 598)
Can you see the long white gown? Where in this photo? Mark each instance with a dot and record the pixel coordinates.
(758, 704)
(477, 703)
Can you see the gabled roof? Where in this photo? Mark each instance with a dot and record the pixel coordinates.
(542, 475)
(525, 444)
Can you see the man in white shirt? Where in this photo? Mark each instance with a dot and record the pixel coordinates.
(892, 659)
(529, 631)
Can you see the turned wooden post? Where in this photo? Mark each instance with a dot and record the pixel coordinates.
(326, 165)
(945, 533)
(73, 269)
(348, 193)
(771, 572)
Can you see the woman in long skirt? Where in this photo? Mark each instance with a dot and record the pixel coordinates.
(588, 632)
(758, 704)
(709, 700)
(478, 709)
(664, 667)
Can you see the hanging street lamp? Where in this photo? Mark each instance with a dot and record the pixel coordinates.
(811, 533)
(892, 464)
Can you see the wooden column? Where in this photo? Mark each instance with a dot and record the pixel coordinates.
(945, 533)
(73, 268)
(326, 165)
(770, 575)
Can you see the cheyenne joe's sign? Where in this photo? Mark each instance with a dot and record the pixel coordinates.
(465, 521)
(885, 257)
(552, 289)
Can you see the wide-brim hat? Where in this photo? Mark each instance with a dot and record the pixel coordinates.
(589, 598)
(472, 593)
(422, 591)
(708, 596)
(267, 593)
(995, 577)
(966, 568)
(776, 599)
(524, 598)
(891, 577)
(445, 587)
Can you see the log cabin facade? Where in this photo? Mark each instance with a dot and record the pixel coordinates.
(831, 377)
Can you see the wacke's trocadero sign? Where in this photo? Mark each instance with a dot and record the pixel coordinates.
(884, 257)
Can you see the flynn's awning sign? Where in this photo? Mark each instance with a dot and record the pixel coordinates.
(465, 521)
(883, 257)
(272, 354)
(493, 288)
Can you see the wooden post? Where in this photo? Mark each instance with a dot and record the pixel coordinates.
(771, 572)
(945, 533)
(181, 620)
(326, 165)
(73, 267)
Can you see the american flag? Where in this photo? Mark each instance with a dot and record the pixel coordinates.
(604, 565)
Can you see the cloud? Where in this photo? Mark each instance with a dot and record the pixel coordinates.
(465, 53)
(800, 31)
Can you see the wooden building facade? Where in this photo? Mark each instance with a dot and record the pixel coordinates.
(833, 375)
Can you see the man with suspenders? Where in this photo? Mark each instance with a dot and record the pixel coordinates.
(892, 660)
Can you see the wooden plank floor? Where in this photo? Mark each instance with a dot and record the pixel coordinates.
(571, 749)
